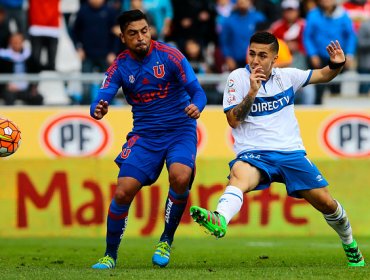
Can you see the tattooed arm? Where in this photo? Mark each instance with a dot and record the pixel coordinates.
(238, 114)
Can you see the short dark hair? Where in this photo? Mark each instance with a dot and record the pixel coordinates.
(264, 37)
(126, 17)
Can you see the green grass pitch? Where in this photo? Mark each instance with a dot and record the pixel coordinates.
(191, 258)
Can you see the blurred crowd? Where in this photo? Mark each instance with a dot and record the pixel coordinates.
(212, 34)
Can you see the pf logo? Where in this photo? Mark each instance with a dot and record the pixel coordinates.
(348, 135)
(75, 135)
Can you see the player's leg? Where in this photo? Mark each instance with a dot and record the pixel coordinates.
(243, 178)
(179, 178)
(139, 166)
(177, 198)
(126, 190)
(180, 161)
(337, 218)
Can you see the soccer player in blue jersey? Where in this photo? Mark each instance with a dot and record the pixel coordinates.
(166, 99)
(259, 106)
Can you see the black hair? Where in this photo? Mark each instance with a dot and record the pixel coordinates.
(264, 37)
(126, 17)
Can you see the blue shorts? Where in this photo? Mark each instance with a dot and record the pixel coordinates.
(143, 158)
(293, 169)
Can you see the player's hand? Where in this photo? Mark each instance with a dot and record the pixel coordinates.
(335, 52)
(192, 111)
(256, 78)
(101, 109)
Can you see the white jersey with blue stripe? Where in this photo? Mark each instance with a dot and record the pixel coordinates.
(271, 124)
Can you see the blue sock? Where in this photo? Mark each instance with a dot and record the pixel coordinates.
(116, 225)
(175, 206)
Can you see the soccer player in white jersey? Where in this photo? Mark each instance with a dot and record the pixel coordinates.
(259, 106)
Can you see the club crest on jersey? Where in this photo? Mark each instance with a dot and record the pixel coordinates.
(231, 99)
(230, 83)
(131, 79)
(158, 71)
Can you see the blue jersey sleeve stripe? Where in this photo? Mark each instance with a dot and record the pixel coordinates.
(308, 79)
(228, 108)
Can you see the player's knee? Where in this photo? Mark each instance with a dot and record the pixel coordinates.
(328, 206)
(179, 181)
(121, 196)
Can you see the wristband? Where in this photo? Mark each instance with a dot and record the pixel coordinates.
(333, 65)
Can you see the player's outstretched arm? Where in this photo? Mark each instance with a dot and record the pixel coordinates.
(101, 109)
(336, 63)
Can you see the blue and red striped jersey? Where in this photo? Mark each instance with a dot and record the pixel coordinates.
(154, 87)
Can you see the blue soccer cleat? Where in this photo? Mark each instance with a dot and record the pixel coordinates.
(161, 255)
(105, 263)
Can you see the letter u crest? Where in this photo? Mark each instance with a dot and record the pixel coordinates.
(158, 71)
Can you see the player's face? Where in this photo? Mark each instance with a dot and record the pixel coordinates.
(137, 38)
(261, 55)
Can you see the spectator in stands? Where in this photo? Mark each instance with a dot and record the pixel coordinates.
(193, 52)
(44, 30)
(162, 13)
(358, 11)
(270, 8)
(290, 29)
(363, 55)
(223, 11)
(4, 28)
(194, 19)
(15, 59)
(69, 9)
(16, 12)
(196, 56)
(328, 22)
(94, 39)
(236, 32)
(306, 6)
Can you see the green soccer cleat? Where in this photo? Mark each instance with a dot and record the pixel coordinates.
(106, 262)
(353, 254)
(161, 255)
(214, 222)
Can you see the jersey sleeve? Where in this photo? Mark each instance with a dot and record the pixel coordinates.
(299, 78)
(234, 90)
(110, 85)
(181, 67)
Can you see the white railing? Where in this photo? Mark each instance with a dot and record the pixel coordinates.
(58, 87)
(206, 79)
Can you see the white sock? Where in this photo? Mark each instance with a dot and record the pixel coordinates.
(340, 223)
(230, 202)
